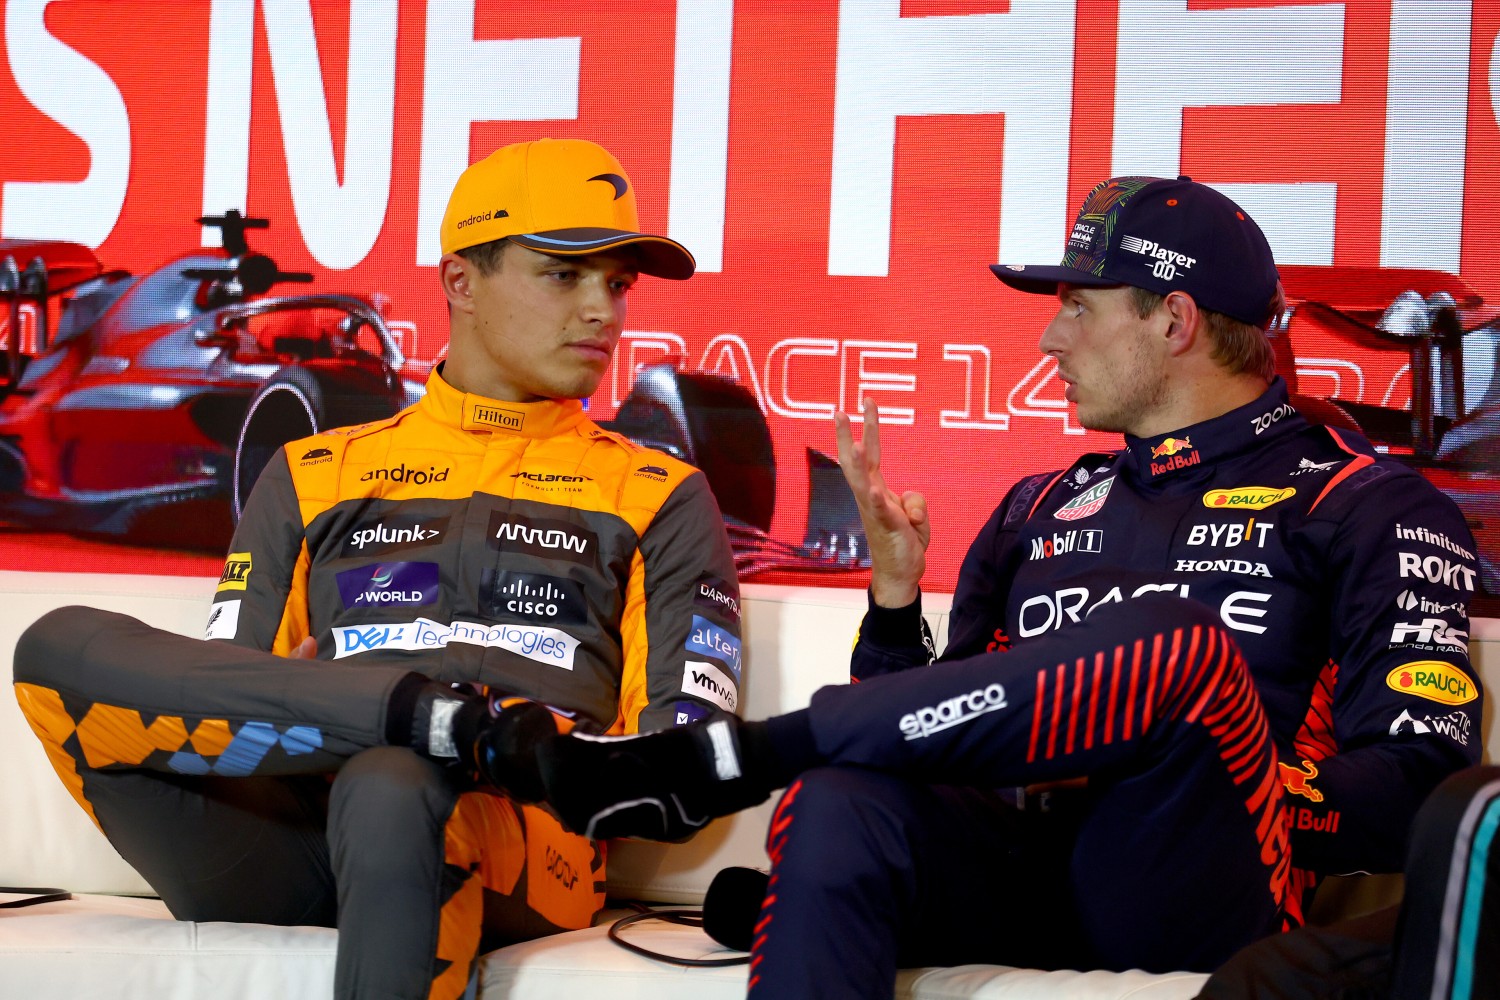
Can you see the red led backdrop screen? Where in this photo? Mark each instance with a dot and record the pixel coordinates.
(844, 172)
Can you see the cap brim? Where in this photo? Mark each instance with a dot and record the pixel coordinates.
(1043, 279)
(658, 256)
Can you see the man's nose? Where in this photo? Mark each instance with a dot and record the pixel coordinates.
(600, 304)
(1051, 338)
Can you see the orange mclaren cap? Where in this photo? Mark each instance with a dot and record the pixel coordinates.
(558, 196)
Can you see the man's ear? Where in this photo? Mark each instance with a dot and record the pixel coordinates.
(457, 276)
(1183, 316)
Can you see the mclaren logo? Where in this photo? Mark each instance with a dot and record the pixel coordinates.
(551, 482)
(547, 477)
(620, 184)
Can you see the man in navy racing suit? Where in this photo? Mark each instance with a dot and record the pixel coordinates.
(1233, 653)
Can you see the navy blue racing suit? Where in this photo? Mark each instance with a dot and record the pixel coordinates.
(1249, 633)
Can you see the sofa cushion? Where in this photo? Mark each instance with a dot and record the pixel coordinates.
(119, 946)
(586, 963)
(111, 946)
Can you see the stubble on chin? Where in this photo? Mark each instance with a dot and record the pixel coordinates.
(580, 387)
(1106, 423)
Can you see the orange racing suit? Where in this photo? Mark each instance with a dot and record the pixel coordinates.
(515, 548)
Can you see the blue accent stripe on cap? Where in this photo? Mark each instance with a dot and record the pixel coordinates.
(580, 243)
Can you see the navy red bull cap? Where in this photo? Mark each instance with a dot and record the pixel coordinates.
(1164, 236)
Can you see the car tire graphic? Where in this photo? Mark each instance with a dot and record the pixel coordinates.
(710, 422)
(299, 401)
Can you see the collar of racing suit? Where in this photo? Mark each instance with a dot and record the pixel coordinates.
(542, 419)
(1268, 416)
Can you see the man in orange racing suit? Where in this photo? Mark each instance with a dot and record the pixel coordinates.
(489, 541)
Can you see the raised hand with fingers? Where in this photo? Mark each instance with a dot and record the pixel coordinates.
(896, 527)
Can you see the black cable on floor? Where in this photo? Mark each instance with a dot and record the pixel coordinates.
(690, 918)
(35, 895)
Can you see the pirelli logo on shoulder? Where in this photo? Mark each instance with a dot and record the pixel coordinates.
(1247, 497)
(236, 572)
(497, 416)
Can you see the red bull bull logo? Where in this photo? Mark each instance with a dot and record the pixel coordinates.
(1299, 782)
(1171, 446)
(1178, 452)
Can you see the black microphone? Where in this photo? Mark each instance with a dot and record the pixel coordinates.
(731, 906)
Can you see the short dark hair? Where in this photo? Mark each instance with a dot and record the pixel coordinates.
(485, 256)
(1243, 348)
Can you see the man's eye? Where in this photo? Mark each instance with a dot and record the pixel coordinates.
(622, 285)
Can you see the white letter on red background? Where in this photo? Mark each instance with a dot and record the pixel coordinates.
(779, 377)
(226, 139)
(339, 221)
(1426, 134)
(1170, 58)
(700, 129)
(866, 381)
(1020, 63)
(79, 96)
(976, 390)
(467, 81)
(639, 350)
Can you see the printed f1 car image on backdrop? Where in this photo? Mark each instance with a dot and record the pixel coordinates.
(143, 408)
(127, 399)
(1409, 357)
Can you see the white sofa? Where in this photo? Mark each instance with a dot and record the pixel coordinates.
(113, 940)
